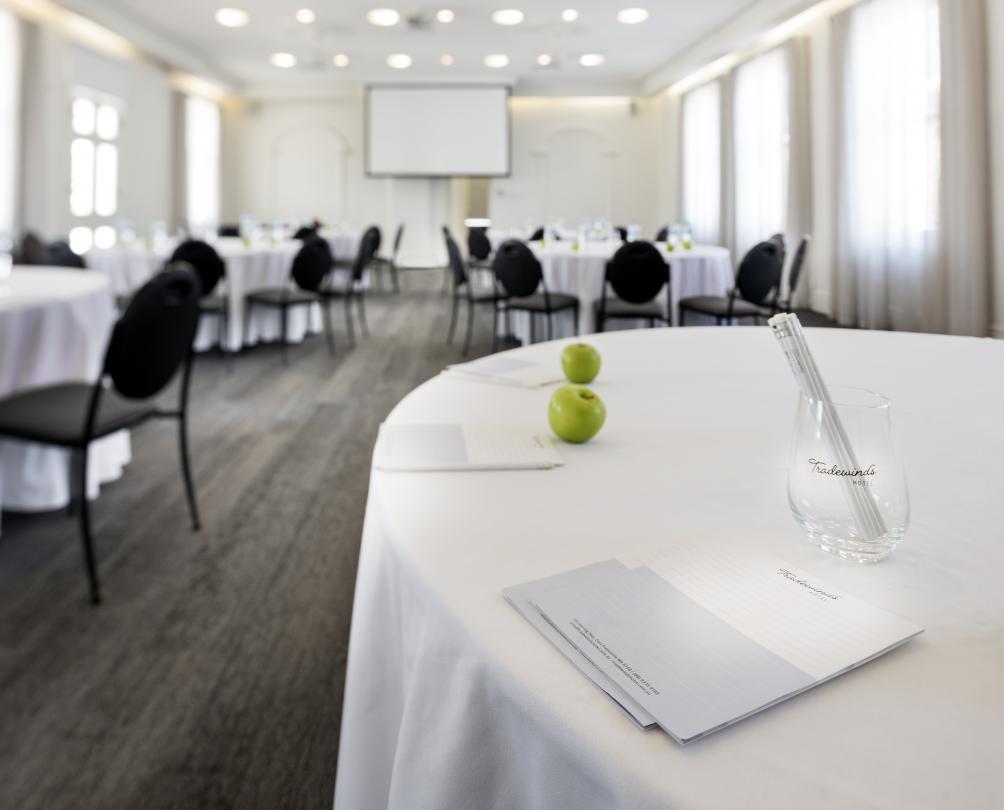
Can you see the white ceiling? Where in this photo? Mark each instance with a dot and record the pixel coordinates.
(241, 56)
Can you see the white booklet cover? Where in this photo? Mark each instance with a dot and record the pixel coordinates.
(701, 638)
(504, 370)
(451, 447)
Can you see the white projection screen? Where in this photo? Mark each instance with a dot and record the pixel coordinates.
(437, 131)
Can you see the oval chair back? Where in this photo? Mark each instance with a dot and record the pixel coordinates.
(517, 269)
(368, 248)
(663, 234)
(479, 246)
(637, 272)
(60, 255)
(797, 262)
(537, 235)
(760, 272)
(622, 233)
(154, 336)
(311, 264)
(457, 267)
(305, 232)
(204, 260)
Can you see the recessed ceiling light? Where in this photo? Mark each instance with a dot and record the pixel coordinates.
(569, 15)
(592, 59)
(544, 59)
(446, 60)
(283, 60)
(341, 60)
(497, 60)
(445, 15)
(232, 17)
(507, 16)
(631, 16)
(305, 16)
(399, 61)
(383, 16)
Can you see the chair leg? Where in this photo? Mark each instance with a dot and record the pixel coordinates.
(533, 327)
(453, 319)
(575, 315)
(470, 326)
(348, 321)
(186, 467)
(550, 326)
(495, 326)
(329, 331)
(94, 586)
(283, 321)
(600, 323)
(363, 327)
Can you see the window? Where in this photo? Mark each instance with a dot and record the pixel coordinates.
(702, 162)
(94, 169)
(202, 150)
(761, 148)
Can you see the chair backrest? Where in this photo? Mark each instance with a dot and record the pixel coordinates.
(60, 255)
(229, 230)
(760, 272)
(368, 247)
(797, 262)
(517, 269)
(537, 235)
(33, 250)
(155, 334)
(621, 232)
(663, 234)
(208, 265)
(456, 259)
(479, 246)
(398, 237)
(779, 240)
(305, 232)
(311, 264)
(637, 272)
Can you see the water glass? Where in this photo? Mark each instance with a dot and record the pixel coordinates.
(846, 484)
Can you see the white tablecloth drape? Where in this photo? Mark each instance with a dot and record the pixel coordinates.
(453, 701)
(249, 267)
(54, 327)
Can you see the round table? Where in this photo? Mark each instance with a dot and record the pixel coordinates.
(249, 267)
(54, 327)
(454, 701)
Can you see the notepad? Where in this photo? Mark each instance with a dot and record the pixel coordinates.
(503, 370)
(451, 447)
(702, 638)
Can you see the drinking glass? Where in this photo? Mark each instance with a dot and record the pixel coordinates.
(846, 484)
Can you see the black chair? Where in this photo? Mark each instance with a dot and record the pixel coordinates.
(60, 255)
(464, 289)
(663, 234)
(150, 342)
(479, 251)
(519, 273)
(637, 273)
(389, 263)
(228, 230)
(622, 233)
(210, 269)
(353, 290)
(32, 250)
(537, 235)
(794, 275)
(782, 244)
(306, 232)
(756, 289)
(311, 267)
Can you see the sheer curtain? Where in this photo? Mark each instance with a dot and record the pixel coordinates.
(889, 78)
(702, 162)
(10, 92)
(202, 160)
(761, 146)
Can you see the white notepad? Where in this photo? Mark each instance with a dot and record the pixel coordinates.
(701, 638)
(503, 370)
(443, 448)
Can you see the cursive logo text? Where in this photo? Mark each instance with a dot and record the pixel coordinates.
(822, 468)
(819, 593)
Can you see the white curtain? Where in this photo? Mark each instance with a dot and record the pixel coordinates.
(889, 81)
(202, 160)
(10, 104)
(762, 92)
(702, 162)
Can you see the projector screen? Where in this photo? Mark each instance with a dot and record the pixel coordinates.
(437, 131)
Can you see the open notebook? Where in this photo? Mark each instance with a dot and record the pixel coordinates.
(701, 638)
(437, 448)
(504, 370)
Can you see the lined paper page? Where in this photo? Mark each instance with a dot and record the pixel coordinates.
(420, 448)
(507, 371)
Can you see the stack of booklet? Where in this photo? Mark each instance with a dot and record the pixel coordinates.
(703, 637)
(503, 370)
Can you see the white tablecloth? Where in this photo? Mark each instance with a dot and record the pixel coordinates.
(54, 327)
(702, 270)
(249, 267)
(453, 701)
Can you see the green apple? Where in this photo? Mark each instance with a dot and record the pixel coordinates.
(576, 414)
(580, 362)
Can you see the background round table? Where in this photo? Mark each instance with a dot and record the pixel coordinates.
(54, 327)
(454, 701)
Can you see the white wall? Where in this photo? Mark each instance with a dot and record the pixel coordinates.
(53, 65)
(995, 72)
